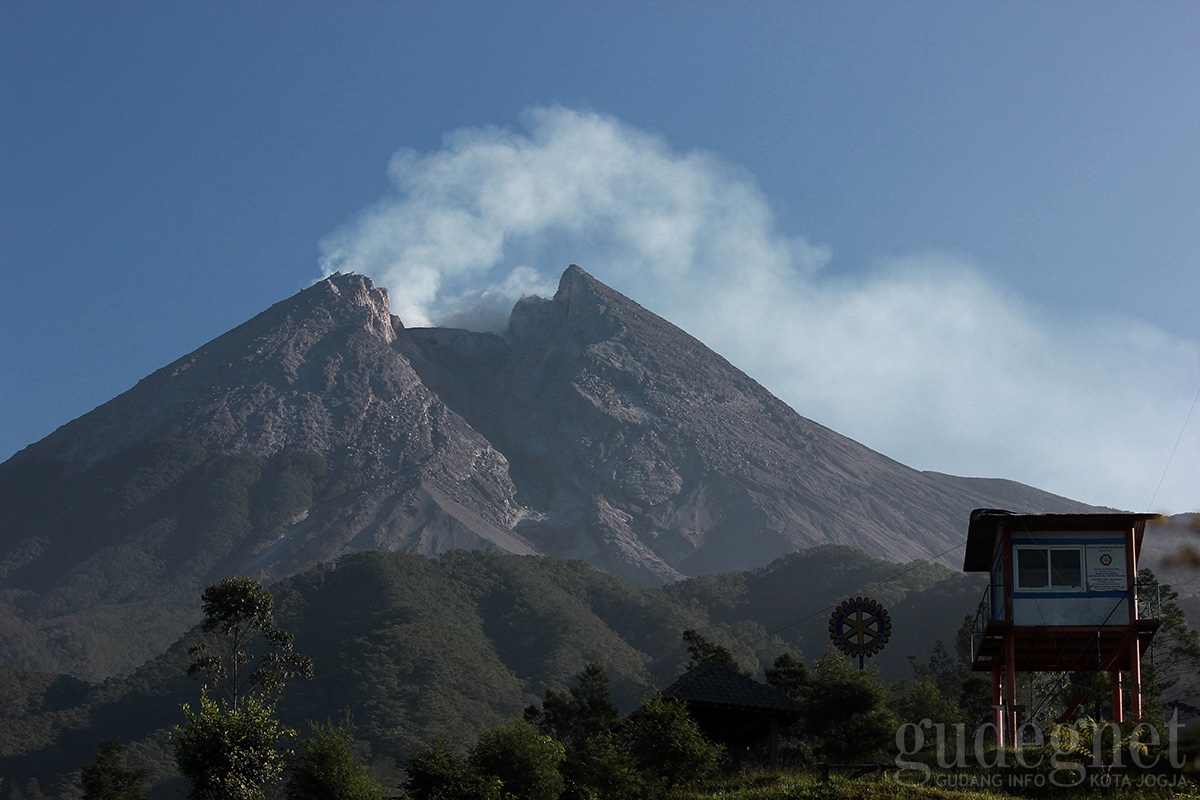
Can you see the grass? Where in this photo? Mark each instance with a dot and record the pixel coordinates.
(800, 785)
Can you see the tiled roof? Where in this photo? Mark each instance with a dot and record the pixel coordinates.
(714, 684)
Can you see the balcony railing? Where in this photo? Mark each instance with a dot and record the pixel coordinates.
(992, 608)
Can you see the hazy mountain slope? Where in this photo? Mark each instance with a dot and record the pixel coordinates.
(594, 429)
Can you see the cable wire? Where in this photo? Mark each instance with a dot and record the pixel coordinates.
(1171, 457)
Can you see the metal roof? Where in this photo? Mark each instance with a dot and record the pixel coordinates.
(713, 684)
(986, 524)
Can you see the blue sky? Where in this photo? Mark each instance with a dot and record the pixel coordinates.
(965, 234)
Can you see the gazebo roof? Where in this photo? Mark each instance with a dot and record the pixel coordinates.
(713, 684)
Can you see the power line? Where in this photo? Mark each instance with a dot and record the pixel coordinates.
(825, 610)
(1171, 457)
(914, 565)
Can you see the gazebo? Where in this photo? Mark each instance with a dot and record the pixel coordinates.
(734, 710)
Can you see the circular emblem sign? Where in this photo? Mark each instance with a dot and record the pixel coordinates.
(860, 627)
(1106, 559)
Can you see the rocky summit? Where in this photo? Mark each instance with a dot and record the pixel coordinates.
(591, 429)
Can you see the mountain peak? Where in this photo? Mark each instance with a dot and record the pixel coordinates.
(359, 290)
(225, 389)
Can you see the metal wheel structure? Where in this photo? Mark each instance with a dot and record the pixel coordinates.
(860, 627)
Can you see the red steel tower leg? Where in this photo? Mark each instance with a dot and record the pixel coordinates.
(997, 707)
(1135, 678)
(1010, 689)
(1118, 697)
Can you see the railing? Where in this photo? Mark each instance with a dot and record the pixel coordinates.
(1149, 599)
(1147, 596)
(991, 607)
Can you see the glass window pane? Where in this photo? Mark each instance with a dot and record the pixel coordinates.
(1031, 568)
(1065, 568)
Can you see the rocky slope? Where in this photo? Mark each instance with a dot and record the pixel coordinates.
(643, 451)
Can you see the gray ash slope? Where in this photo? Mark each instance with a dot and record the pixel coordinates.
(644, 452)
(593, 429)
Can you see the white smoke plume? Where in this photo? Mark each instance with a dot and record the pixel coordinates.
(924, 359)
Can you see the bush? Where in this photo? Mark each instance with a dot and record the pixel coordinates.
(604, 768)
(438, 773)
(325, 767)
(847, 711)
(526, 762)
(668, 744)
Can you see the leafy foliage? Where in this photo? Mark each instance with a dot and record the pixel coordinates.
(107, 777)
(526, 762)
(229, 748)
(789, 675)
(1171, 669)
(668, 745)
(228, 753)
(417, 648)
(701, 649)
(325, 767)
(935, 691)
(237, 611)
(574, 716)
(605, 768)
(439, 773)
(847, 710)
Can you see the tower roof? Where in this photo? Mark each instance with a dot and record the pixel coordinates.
(987, 523)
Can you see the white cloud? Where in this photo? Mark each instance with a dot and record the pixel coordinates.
(924, 359)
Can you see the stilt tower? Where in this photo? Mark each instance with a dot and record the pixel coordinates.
(1062, 596)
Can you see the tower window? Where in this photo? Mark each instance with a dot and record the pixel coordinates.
(1049, 567)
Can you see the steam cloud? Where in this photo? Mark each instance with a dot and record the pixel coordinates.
(924, 359)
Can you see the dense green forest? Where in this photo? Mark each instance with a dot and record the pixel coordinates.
(416, 651)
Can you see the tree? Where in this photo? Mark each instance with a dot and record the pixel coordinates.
(237, 614)
(229, 754)
(107, 777)
(582, 711)
(789, 675)
(526, 762)
(228, 749)
(668, 745)
(847, 711)
(325, 767)
(934, 691)
(700, 649)
(974, 688)
(1171, 665)
(439, 773)
(921, 699)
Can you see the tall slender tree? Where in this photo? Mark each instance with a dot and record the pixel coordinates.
(230, 747)
(239, 622)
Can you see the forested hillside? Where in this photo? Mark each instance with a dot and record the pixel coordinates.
(416, 648)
